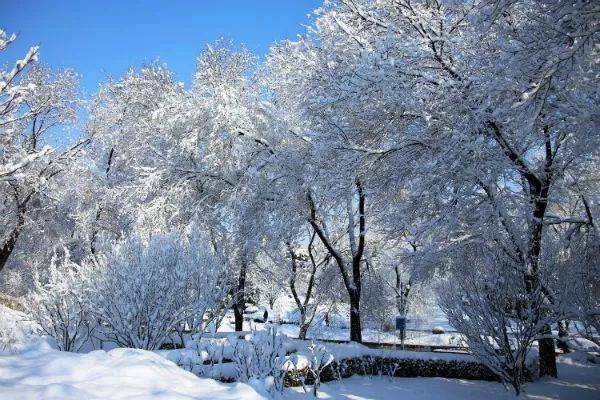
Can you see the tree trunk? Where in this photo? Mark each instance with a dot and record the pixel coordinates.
(547, 354)
(96, 230)
(303, 325)
(240, 298)
(352, 282)
(238, 313)
(355, 326)
(302, 306)
(9, 245)
(7, 249)
(538, 196)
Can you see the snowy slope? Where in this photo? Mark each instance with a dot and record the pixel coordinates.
(43, 373)
(30, 369)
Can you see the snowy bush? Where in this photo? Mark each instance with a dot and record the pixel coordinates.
(262, 358)
(500, 320)
(8, 335)
(141, 291)
(58, 303)
(206, 288)
(579, 282)
(319, 359)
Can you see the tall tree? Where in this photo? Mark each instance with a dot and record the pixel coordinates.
(34, 104)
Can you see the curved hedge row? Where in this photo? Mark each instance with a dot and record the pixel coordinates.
(396, 367)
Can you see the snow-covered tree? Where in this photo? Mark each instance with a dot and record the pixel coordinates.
(478, 112)
(206, 287)
(307, 267)
(13, 93)
(185, 156)
(34, 104)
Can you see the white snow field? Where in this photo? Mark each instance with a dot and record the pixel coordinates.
(30, 369)
(41, 373)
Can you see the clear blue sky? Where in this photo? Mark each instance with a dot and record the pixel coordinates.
(105, 37)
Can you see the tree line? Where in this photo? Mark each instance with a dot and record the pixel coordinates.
(394, 143)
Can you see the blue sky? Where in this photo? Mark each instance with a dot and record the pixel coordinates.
(102, 38)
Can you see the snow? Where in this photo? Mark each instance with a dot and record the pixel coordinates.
(419, 338)
(418, 332)
(211, 355)
(343, 351)
(578, 381)
(39, 372)
(43, 373)
(31, 369)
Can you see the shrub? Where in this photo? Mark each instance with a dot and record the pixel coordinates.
(319, 359)
(141, 291)
(206, 288)
(261, 358)
(396, 367)
(58, 303)
(499, 317)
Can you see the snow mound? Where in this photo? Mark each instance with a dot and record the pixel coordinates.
(43, 373)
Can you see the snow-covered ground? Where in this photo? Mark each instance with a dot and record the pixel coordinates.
(41, 373)
(421, 338)
(578, 380)
(32, 369)
(419, 327)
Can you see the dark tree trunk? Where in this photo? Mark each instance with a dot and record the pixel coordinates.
(539, 187)
(240, 298)
(354, 290)
(238, 313)
(355, 326)
(299, 304)
(8, 247)
(303, 325)
(402, 292)
(9, 244)
(303, 307)
(351, 272)
(96, 230)
(547, 354)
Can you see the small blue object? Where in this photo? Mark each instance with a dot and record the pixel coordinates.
(400, 323)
